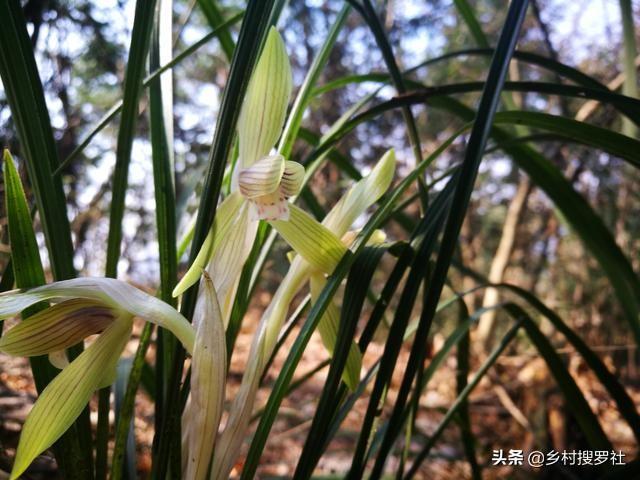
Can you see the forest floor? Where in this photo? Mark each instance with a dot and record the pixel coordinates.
(516, 407)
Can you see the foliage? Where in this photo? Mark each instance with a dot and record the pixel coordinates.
(384, 179)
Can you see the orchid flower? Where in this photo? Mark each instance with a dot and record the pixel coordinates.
(262, 182)
(84, 307)
(319, 253)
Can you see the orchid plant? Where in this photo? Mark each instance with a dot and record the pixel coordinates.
(262, 184)
(75, 330)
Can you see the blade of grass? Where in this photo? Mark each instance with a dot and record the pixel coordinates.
(164, 190)
(630, 86)
(122, 446)
(457, 404)
(358, 281)
(29, 112)
(140, 39)
(469, 169)
(161, 126)
(214, 16)
(462, 374)
(580, 409)
(128, 471)
(370, 16)
(294, 120)
(466, 12)
(25, 96)
(614, 143)
(531, 58)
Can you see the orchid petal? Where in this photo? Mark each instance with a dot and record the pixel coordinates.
(361, 195)
(313, 241)
(292, 179)
(57, 328)
(265, 103)
(227, 263)
(261, 178)
(208, 372)
(66, 396)
(225, 219)
(59, 359)
(328, 328)
(114, 293)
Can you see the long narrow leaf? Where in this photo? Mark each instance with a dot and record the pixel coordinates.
(473, 155)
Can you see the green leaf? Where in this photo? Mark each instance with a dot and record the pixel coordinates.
(140, 40)
(305, 93)
(580, 409)
(125, 408)
(214, 16)
(464, 186)
(462, 374)
(370, 16)
(26, 262)
(580, 132)
(25, 95)
(630, 87)
(161, 129)
(466, 12)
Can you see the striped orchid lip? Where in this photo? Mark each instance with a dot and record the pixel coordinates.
(82, 307)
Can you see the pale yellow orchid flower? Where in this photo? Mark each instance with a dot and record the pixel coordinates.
(86, 306)
(262, 182)
(320, 249)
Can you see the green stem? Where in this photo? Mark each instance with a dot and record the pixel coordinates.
(128, 402)
(630, 87)
(102, 433)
